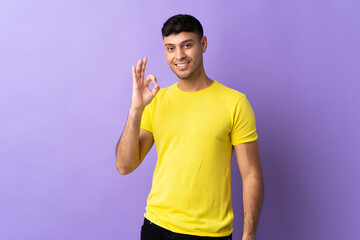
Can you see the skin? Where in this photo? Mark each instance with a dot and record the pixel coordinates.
(186, 48)
(248, 159)
(184, 54)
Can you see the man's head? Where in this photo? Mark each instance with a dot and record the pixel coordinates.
(184, 45)
(182, 23)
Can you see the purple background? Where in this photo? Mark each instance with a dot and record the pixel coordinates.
(65, 72)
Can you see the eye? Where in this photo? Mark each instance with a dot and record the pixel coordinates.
(187, 45)
(170, 49)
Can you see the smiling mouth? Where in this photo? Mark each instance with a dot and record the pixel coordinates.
(182, 64)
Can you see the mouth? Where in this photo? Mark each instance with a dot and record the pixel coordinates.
(182, 65)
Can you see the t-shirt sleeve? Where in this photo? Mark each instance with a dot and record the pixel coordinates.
(243, 128)
(146, 119)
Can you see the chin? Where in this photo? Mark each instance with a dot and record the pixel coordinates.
(184, 77)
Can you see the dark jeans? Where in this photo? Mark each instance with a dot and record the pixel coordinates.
(150, 231)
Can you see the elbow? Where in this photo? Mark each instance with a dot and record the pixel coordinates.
(254, 176)
(124, 172)
(123, 169)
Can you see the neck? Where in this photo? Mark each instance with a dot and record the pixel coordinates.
(195, 83)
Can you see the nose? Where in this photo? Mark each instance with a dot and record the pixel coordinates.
(180, 54)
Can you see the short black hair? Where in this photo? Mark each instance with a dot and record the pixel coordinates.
(182, 23)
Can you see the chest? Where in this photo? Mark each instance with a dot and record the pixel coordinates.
(187, 119)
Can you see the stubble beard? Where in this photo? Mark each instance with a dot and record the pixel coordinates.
(187, 76)
(184, 76)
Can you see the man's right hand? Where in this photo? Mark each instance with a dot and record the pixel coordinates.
(142, 95)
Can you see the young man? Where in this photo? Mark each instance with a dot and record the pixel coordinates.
(195, 125)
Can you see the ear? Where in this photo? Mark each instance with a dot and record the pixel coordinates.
(203, 44)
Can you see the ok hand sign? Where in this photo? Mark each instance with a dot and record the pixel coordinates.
(141, 94)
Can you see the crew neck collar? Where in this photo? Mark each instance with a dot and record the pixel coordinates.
(196, 92)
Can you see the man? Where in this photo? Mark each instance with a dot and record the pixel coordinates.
(195, 125)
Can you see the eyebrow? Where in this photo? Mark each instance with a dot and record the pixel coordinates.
(187, 40)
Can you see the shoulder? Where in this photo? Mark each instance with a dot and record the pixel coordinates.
(166, 90)
(163, 94)
(230, 93)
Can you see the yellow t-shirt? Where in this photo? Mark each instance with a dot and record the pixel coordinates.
(194, 133)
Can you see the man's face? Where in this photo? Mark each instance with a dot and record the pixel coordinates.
(183, 53)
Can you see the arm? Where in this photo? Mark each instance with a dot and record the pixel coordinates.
(134, 142)
(133, 145)
(248, 159)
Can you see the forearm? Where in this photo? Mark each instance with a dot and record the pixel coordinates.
(252, 198)
(127, 150)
